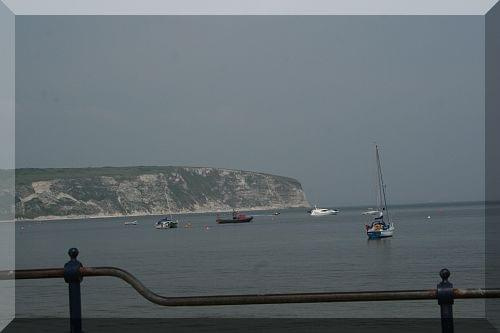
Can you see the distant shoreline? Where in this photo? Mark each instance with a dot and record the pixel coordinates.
(80, 217)
(426, 204)
(248, 209)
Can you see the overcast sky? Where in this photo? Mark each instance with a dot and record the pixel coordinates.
(303, 97)
(6, 88)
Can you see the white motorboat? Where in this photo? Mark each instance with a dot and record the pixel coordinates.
(380, 228)
(130, 223)
(323, 211)
(371, 211)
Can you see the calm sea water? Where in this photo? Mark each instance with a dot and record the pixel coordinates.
(292, 252)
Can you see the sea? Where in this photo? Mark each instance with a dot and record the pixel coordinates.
(286, 253)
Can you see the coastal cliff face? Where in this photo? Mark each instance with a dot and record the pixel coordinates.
(52, 193)
(6, 195)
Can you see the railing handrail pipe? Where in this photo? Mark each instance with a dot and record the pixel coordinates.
(73, 273)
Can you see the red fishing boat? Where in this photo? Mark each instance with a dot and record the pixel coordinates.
(237, 218)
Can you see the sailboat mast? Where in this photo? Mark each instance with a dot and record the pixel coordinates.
(168, 205)
(166, 197)
(381, 183)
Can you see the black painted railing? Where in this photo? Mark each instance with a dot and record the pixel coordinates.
(73, 273)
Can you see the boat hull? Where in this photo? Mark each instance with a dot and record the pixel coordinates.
(167, 225)
(371, 212)
(330, 212)
(379, 234)
(130, 223)
(383, 233)
(223, 221)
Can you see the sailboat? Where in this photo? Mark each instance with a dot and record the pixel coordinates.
(168, 221)
(380, 227)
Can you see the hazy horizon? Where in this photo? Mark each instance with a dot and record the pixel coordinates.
(302, 97)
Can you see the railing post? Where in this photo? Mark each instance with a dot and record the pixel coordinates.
(73, 277)
(445, 301)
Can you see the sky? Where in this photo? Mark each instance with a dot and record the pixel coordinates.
(6, 88)
(299, 96)
(231, 7)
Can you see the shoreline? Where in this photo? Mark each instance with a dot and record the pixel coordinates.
(244, 209)
(207, 211)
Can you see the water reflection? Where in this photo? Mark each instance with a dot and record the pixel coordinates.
(381, 243)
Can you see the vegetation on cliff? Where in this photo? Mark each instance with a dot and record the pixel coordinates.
(146, 190)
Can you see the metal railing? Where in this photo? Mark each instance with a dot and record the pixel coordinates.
(73, 273)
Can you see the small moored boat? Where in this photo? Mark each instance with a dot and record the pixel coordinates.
(323, 211)
(237, 218)
(130, 223)
(371, 211)
(166, 223)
